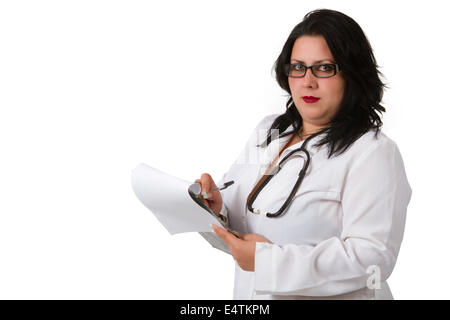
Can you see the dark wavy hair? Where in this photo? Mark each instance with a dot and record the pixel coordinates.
(363, 87)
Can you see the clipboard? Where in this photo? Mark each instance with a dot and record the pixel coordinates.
(211, 237)
(175, 206)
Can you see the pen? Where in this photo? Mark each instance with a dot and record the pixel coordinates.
(225, 185)
(205, 195)
(196, 189)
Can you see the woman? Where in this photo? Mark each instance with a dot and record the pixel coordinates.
(339, 234)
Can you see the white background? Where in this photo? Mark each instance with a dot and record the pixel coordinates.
(90, 89)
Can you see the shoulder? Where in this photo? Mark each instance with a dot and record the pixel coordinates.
(266, 121)
(377, 158)
(372, 140)
(373, 147)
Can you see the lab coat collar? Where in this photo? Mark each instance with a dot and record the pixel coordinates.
(270, 152)
(280, 142)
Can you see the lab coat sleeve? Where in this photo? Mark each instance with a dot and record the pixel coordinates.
(374, 202)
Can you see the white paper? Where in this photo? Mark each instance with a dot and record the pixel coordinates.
(168, 199)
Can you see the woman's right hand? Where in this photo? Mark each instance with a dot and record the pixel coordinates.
(214, 201)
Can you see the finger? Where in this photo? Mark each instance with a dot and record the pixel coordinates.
(202, 197)
(246, 237)
(223, 234)
(206, 182)
(206, 195)
(198, 183)
(254, 237)
(207, 185)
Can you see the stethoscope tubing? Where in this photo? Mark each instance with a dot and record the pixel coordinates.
(299, 181)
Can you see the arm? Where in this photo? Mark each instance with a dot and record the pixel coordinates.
(374, 201)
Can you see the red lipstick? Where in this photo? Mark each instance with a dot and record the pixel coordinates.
(310, 99)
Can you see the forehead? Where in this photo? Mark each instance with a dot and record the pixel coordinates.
(310, 49)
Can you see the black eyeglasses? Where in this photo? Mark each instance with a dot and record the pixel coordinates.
(324, 70)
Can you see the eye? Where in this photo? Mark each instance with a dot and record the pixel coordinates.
(325, 67)
(298, 67)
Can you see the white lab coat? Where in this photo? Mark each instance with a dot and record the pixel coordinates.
(342, 231)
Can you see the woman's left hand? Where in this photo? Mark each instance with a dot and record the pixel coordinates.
(242, 248)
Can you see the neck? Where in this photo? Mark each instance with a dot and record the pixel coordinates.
(309, 129)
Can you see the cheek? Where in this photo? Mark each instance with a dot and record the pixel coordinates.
(339, 94)
(335, 90)
(293, 86)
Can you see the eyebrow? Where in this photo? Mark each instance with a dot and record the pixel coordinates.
(300, 61)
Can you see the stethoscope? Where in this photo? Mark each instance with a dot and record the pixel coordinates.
(301, 150)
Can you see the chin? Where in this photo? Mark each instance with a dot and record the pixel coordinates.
(313, 117)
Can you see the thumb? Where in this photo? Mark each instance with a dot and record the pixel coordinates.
(223, 234)
(254, 237)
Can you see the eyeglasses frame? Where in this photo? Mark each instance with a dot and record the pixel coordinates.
(336, 69)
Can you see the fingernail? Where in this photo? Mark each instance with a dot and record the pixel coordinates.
(212, 228)
(204, 194)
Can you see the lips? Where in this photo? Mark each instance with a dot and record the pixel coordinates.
(310, 99)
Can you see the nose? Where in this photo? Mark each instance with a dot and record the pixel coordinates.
(309, 80)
